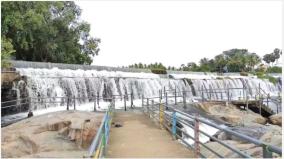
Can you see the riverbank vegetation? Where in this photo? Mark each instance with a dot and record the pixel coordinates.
(48, 31)
(234, 60)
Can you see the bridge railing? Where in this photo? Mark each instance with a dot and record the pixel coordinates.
(171, 118)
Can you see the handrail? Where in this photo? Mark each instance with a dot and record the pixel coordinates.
(98, 146)
(267, 148)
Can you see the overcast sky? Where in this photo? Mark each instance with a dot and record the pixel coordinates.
(177, 32)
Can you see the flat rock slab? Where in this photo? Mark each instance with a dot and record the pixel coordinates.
(139, 137)
(52, 135)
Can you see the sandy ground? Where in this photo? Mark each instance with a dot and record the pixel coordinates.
(56, 134)
(141, 137)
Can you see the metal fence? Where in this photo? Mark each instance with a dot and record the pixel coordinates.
(169, 117)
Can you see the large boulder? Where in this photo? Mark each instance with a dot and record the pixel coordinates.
(230, 113)
(276, 119)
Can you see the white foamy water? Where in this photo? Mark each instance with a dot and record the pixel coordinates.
(85, 84)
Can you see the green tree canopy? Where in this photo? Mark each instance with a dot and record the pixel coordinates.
(48, 31)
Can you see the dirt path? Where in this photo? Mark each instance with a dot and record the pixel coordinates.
(140, 137)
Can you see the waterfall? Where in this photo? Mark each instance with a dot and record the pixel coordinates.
(54, 83)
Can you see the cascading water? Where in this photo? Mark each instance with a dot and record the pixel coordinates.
(85, 84)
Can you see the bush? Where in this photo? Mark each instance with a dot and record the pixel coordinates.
(274, 69)
(243, 73)
(260, 74)
(272, 79)
(158, 71)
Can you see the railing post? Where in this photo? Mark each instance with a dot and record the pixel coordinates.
(244, 92)
(164, 90)
(147, 99)
(152, 109)
(175, 95)
(202, 94)
(142, 100)
(161, 113)
(174, 124)
(265, 152)
(113, 101)
(124, 97)
(131, 99)
(166, 94)
(98, 100)
(228, 95)
(68, 102)
(260, 103)
(184, 99)
(160, 95)
(74, 102)
(268, 95)
(259, 90)
(196, 137)
(95, 102)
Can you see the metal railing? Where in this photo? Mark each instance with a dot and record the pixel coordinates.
(168, 117)
(99, 144)
(36, 103)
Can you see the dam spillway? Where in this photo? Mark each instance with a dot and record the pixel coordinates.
(84, 82)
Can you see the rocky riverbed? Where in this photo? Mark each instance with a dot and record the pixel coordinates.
(56, 134)
(246, 122)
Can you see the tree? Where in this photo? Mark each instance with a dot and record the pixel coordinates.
(267, 58)
(6, 51)
(48, 31)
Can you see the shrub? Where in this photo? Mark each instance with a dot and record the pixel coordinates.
(274, 69)
(158, 71)
(243, 73)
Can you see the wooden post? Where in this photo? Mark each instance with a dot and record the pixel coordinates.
(124, 102)
(95, 102)
(74, 103)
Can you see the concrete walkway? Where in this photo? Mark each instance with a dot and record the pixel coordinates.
(140, 137)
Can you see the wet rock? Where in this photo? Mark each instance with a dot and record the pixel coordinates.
(230, 113)
(276, 119)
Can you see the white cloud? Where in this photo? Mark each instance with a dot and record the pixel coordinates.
(176, 32)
